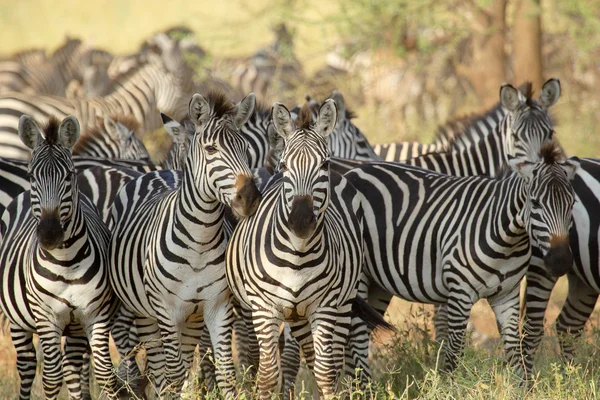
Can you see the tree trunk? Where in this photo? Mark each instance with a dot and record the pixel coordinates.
(487, 70)
(527, 43)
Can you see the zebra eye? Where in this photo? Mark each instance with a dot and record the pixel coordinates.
(210, 149)
(325, 166)
(535, 204)
(282, 166)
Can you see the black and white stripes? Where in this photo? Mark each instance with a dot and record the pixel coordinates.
(53, 261)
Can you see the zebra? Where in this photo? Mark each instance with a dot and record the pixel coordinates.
(113, 137)
(298, 258)
(470, 237)
(34, 73)
(178, 216)
(53, 261)
(161, 83)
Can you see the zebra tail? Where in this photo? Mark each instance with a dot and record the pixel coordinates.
(362, 310)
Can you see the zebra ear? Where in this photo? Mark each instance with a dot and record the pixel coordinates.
(29, 132)
(69, 131)
(522, 167)
(550, 92)
(115, 129)
(199, 109)
(571, 166)
(282, 120)
(173, 128)
(509, 97)
(327, 118)
(245, 108)
(340, 104)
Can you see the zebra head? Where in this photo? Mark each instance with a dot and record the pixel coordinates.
(52, 174)
(527, 125)
(220, 150)
(122, 131)
(182, 139)
(548, 214)
(305, 164)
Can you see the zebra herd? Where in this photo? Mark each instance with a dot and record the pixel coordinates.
(273, 223)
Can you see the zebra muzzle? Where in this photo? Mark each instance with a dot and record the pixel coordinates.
(302, 220)
(49, 231)
(247, 197)
(559, 259)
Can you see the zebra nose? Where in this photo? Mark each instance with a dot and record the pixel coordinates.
(247, 197)
(49, 230)
(302, 220)
(559, 259)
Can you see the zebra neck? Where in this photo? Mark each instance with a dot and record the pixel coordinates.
(508, 209)
(197, 209)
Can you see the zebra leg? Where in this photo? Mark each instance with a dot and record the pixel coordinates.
(252, 349)
(330, 335)
(98, 336)
(149, 335)
(206, 367)
(506, 309)
(576, 311)
(218, 316)
(124, 333)
(295, 335)
(440, 323)
(191, 336)
(49, 342)
(73, 362)
(357, 360)
(537, 294)
(240, 330)
(266, 326)
(84, 376)
(175, 369)
(357, 351)
(459, 308)
(26, 359)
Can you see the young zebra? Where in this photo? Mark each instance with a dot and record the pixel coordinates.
(113, 137)
(299, 257)
(53, 262)
(433, 238)
(168, 244)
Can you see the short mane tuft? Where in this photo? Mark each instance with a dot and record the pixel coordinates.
(220, 104)
(51, 130)
(552, 152)
(304, 117)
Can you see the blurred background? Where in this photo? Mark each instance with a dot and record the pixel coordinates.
(404, 66)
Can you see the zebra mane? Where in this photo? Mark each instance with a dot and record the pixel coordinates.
(304, 119)
(552, 152)
(51, 130)
(527, 90)
(220, 104)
